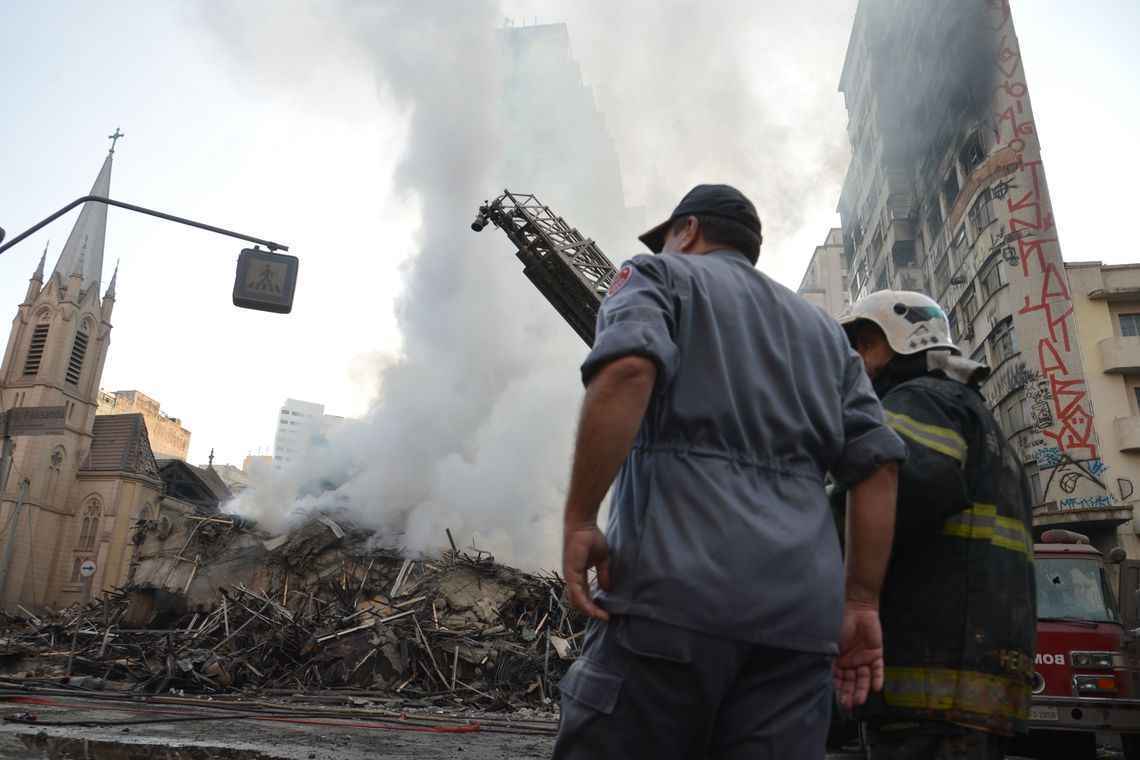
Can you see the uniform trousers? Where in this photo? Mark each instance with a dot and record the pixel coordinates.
(645, 689)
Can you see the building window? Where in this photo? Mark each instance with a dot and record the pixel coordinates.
(979, 354)
(1136, 392)
(982, 212)
(959, 241)
(1003, 341)
(934, 219)
(942, 274)
(992, 279)
(1013, 415)
(950, 188)
(971, 153)
(953, 319)
(78, 351)
(969, 308)
(1130, 325)
(36, 349)
(1034, 475)
(89, 531)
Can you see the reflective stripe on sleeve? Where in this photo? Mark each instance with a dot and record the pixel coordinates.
(940, 439)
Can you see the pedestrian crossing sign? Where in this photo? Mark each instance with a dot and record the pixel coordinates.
(265, 281)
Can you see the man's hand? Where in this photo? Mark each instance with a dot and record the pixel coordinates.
(859, 669)
(582, 548)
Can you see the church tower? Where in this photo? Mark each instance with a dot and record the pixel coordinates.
(54, 358)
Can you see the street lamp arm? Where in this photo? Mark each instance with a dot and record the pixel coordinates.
(150, 212)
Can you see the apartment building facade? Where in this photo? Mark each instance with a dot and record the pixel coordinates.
(946, 194)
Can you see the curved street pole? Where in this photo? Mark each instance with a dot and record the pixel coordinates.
(131, 207)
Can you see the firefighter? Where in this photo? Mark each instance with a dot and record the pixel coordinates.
(723, 398)
(958, 608)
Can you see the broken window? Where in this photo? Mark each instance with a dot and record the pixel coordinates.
(1003, 341)
(969, 306)
(934, 219)
(982, 212)
(942, 274)
(1069, 589)
(971, 153)
(992, 279)
(36, 349)
(950, 188)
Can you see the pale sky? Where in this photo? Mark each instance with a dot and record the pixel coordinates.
(303, 152)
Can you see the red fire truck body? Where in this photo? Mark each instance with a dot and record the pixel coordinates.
(1086, 676)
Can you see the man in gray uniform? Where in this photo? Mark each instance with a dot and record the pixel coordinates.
(724, 398)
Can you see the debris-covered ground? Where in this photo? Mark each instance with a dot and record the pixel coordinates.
(325, 611)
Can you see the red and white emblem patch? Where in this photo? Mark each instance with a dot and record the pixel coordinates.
(620, 280)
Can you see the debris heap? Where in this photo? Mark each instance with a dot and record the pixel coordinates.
(321, 608)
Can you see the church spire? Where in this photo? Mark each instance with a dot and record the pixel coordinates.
(39, 275)
(111, 288)
(83, 252)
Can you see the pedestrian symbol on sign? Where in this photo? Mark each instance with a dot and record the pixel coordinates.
(267, 280)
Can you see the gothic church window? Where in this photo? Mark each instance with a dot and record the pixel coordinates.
(36, 349)
(78, 352)
(89, 530)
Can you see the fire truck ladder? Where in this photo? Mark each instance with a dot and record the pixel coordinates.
(568, 269)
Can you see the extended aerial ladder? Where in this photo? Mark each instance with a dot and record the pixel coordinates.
(568, 269)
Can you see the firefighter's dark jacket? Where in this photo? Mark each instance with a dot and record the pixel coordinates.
(958, 606)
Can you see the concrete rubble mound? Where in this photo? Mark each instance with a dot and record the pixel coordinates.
(214, 605)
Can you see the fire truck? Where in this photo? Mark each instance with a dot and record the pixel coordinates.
(1086, 671)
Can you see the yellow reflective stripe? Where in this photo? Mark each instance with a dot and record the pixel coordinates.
(940, 439)
(982, 523)
(1010, 533)
(949, 689)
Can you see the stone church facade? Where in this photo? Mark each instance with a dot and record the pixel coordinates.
(72, 493)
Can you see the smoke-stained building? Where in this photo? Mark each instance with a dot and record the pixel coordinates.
(946, 193)
(825, 279)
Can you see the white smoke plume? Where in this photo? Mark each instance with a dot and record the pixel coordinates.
(473, 423)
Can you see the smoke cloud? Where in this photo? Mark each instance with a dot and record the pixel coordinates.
(473, 420)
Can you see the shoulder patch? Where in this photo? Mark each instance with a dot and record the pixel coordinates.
(620, 279)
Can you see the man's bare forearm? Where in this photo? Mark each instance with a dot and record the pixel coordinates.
(616, 400)
(870, 530)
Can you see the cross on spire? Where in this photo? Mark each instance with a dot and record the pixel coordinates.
(115, 138)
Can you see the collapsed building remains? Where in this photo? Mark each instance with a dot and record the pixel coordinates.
(215, 605)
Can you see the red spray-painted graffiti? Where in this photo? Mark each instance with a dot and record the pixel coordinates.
(1043, 290)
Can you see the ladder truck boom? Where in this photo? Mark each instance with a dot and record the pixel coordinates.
(568, 269)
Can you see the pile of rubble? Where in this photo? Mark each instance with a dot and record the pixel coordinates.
(321, 608)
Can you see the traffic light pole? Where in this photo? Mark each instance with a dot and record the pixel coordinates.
(140, 209)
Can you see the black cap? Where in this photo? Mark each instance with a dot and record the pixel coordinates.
(722, 201)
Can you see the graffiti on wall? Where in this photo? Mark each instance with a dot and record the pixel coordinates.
(1063, 440)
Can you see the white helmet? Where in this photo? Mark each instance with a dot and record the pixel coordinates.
(912, 322)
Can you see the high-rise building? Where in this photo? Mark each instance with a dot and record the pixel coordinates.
(825, 280)
(946, 193)
(554, 133)
(168, 439)
(300, 426)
